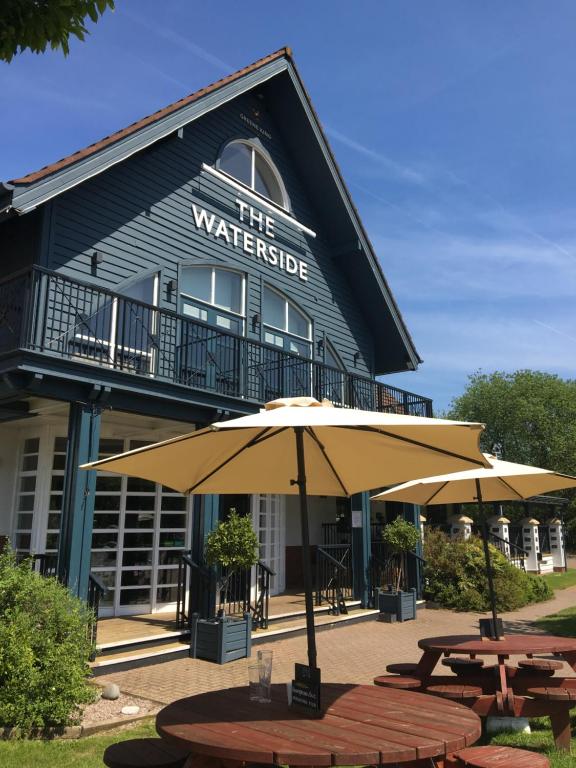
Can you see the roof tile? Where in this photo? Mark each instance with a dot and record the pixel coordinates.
(114, 137)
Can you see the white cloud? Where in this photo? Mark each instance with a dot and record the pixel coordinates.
(437, 266)
(182, 42)
(392, 168)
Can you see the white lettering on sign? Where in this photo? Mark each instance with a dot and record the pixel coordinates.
(248, 241)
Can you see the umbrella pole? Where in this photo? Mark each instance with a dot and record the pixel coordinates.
(306, 567)
(491, 593)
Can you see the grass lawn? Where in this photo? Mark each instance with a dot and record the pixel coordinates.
(87, 752)
(540, 740)
(72, 753)
(561, 580)
(562, 623)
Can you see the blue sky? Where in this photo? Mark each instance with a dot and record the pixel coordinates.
(453, 121)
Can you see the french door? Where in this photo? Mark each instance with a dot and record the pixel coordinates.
(139, 530)
(268, 520)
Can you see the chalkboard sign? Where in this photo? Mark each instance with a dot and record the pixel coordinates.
(490, 632)
(306, 690)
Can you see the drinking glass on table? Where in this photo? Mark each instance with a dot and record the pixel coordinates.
(265, 666)
(254, 684)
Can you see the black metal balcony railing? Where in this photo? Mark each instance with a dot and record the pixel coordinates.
(49, 313)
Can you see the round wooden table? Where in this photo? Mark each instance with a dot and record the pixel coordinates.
(509, 645)
(361, 725)
(507, 693)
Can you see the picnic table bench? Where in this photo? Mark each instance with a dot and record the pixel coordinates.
(529, 690)
(361, 725)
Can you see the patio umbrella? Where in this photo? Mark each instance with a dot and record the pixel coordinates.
(296, 446)
(501, 481)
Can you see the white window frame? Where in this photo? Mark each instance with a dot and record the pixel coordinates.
(254, 150)
(287, 302)
(183, 294)
(113, 348)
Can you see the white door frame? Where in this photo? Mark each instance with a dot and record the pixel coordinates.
(278, 582)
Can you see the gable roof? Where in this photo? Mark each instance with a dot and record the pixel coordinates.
(154, 117)
(394, 353)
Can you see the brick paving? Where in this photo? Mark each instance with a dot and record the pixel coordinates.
(354, 653)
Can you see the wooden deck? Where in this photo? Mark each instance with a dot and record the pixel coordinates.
(128, 629)
(162, 626)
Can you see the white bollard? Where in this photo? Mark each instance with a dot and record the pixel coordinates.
(531, 543)
(460, 527)
(513, 724)
(557, 544)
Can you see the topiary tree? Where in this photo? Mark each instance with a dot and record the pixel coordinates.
(233, 546)
(401, 537)
(44, 649)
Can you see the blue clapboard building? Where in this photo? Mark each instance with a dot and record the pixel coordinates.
(183, 270)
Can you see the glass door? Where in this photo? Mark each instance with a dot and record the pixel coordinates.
(268, 522)
(139, 530)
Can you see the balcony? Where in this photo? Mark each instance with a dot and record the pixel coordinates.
(50, 314)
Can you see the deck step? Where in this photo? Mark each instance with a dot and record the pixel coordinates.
(143, 654)
(319, 610)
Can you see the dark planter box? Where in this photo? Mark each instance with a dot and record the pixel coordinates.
(222, 639)
(401, 604)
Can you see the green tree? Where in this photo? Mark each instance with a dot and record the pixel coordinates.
(530, 416)
(35, 24)
(401, 537)
(232, 546)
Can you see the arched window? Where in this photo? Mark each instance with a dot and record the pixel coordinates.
(213, 295)
(208, 357)
(247, 164)
(285, 324)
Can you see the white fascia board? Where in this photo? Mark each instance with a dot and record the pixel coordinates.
(28, 197)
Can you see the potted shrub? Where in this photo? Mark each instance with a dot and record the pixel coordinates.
(231, 547)
(394, 604)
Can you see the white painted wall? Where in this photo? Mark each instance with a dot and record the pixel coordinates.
(320, 510)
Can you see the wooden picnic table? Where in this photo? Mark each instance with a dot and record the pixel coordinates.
(361, 725)
(506, 692)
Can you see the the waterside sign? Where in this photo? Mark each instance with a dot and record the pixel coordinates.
(250, 237)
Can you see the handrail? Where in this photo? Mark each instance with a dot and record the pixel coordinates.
(333, 578)
(47, 563)
(511, 544)
(186, 565)
(51, 313)
(98, 584)
(266, 568)
(329, 557)
(416, 556)
(260, 608)
(96, 591)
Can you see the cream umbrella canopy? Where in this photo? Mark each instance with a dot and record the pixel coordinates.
(297, 446)
(500, 481)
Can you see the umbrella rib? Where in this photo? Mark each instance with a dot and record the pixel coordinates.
(520, 496)
(152, 447)
(437, 491)
(314, 437)
(253, 441)
(417, 443)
